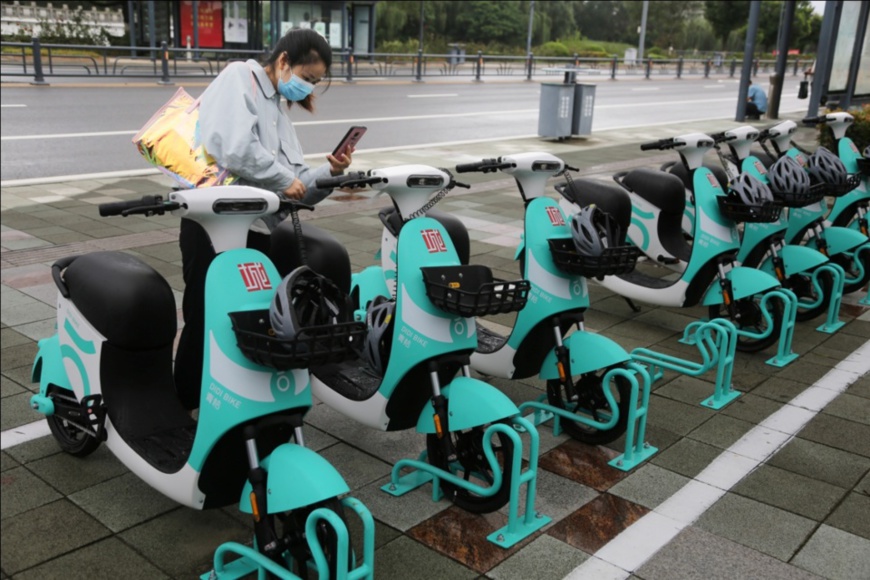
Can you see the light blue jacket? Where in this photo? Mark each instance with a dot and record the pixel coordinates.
(245, 127)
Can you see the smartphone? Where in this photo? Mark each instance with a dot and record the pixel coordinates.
(350, 139)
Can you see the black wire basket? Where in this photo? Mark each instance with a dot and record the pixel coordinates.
(611, 262)
(737, 211)
(863, 166)
(470, 290)
(814, 194)
(841, 189)
(313, 346)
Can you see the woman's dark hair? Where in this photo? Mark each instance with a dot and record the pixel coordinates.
(303, 46)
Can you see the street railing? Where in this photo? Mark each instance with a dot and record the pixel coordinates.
(40, 60)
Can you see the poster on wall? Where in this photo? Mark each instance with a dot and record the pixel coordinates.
(335, 34)
(211, 26)
(236, 23)
(320, 28)
(286, 27)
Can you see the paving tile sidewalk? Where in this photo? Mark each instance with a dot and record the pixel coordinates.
(804, 514)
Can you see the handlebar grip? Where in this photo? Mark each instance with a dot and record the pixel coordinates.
(481, 165)
(119, 207)
(650, 146)
(339, 180)
(719, 137)
(813, 120)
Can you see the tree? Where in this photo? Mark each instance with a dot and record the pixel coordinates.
(492, 21)
(598, 19)
(664, 23)
(726, 17)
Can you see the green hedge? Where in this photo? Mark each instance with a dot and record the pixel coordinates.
(859, 131)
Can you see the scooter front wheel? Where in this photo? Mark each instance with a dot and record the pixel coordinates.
(592, 403)
(293, 533)
(471, 465)
(70, 438)
(752, 320)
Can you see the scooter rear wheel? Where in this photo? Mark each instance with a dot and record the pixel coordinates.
(752, 319)
(591, 402)
(70, 438)
(473, 466)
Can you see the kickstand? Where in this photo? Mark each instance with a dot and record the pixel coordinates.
(631, 304)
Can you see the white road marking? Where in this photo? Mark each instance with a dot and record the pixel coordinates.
(628, 551)
(639, 89)
(714, 86)
(23, 434)
(433, 95)
(67, 135)
(12, 106)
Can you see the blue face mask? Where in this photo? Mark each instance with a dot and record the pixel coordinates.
(295, 89)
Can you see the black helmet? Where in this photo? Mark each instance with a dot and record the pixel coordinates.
(749, 190)
(379, 320)
(825, 167)
(594, 230)
(787, 176)
(303, 299)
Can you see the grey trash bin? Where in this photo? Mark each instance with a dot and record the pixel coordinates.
(565, 110)
(584, 103)
(556, 110)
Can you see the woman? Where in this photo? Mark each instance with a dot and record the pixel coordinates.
(245, 129)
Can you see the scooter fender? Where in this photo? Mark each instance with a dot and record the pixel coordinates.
(745, 282)
(841, 240)
(48, 365)
(297, 477)
(797, 259)
(470, 403)
(589, 352)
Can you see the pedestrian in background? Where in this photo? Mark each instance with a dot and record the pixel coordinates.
(756, 102)
(246, 129)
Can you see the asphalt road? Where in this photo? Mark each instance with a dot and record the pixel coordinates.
(64, 131)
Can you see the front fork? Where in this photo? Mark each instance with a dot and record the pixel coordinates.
(862, 220)
(439, 404)
(778, 264)
(727, 293)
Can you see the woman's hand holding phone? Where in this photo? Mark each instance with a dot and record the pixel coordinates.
(338, 165)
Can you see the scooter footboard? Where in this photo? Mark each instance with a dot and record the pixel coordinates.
(589, 352)
(297, 477)
(745, 282)
(470, 403)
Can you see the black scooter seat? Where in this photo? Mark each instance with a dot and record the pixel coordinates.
(663, 190)
(610, 198)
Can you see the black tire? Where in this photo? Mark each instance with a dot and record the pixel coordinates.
(70, 439)
(848, 264)
(591, 401)
(473, 466)
(752, 319)
(802, 286)
(293, 530)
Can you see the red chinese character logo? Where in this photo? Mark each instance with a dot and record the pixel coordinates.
(254, 276)
(555, 216)
(760, 168)
(712, 179)
(434, 241)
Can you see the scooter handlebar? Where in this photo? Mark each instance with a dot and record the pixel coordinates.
(483, 166)
(813, 120)
(352, 179)
(661, 144)
(720, 137)
(147, 205)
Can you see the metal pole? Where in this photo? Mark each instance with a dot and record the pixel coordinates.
(786, 17)
(846, 101)
(164, 80)
(748, 51)
(152, 30)
(479, 65)
(820, 72)
(642, 30)
(195, 29)
(38, 79)
(420, 47)
(131, 15)
(275, 24)
(531, 21)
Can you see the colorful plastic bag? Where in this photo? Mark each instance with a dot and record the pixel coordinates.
(171, 141)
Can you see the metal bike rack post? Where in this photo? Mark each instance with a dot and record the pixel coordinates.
(614, 63)
(479, 66)
(419, 77)
(717, 344)
(784, 354)
(349, 65)
(531, 64)
(680, 67)
(707, 69)
(648, 68)
(838, 275)
(517, 529)
(733, 67)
